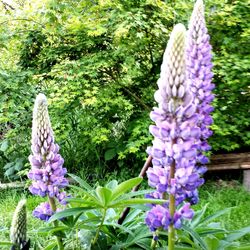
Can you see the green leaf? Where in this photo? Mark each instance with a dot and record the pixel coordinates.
(245, 247)
(69, 212)
(51, 230)
(131, 216)
(125, 186)
(237, 234)
(6, 243)
(88, 195)
(198, 215)
(84, 202)
(10, 171)
(212, 242)
(208, 231)
(51, 246)
(86, 237)
(105, 195)
(110, 154)
(196, 237)
(184, 248)
(135, 201)
(112, 184)
(4, 145)
(215, 215)
(136, 193)
(18, 164)
(81, 182)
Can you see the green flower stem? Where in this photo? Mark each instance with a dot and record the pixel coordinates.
(59, 239)
(171, 231)
(153, 244)
(100, 226)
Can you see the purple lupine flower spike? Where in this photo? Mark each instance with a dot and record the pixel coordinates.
(199, 74)
(175, 133)
(182, 121)
(47, 172)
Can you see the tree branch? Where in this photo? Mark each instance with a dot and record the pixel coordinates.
(142, 174)
(22, 19)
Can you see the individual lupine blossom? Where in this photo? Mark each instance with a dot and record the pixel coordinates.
(44, 211)
(47, 172)
(199, 74)
(175, 134)
(19, 225)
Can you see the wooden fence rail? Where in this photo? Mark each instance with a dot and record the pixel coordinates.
(230, 162)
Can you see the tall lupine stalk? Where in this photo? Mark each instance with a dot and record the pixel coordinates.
(181, 125)
(176, 132)
(199, 74)
(47, 172)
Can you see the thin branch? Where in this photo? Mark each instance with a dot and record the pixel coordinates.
(137, 98)
(22, 19)
(7, 6)
(142, 174)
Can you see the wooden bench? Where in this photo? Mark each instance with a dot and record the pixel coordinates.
(232, 161)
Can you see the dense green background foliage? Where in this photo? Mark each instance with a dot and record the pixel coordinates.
(98, 63)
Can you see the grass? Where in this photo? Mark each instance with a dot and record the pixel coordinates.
(219, 195)
(8, 202)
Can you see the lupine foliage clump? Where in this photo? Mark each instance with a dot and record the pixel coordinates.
(182, 121)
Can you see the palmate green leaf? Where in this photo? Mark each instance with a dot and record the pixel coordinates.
(105, 195)
(125, 186)
(90, 196)
(196, 237)
(135, 201)
(69, 212)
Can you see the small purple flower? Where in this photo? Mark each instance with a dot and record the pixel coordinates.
(158, 217)
(183, 213)
(43, 211)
